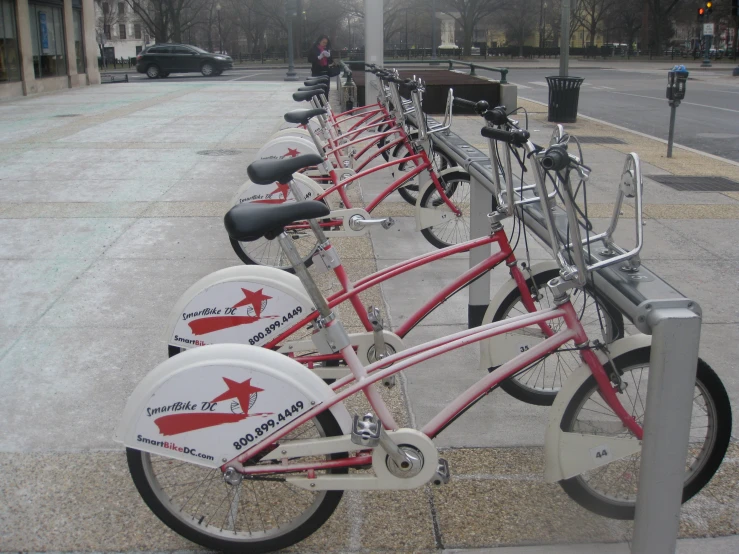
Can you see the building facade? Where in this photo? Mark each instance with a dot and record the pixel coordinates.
(46, 45)
(119, 32)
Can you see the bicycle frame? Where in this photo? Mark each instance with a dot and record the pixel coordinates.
(351, 291)
(363, 379)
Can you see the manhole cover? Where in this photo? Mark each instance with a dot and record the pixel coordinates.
(696, 183)
(599, 140)
(68, 115)
(219, 152)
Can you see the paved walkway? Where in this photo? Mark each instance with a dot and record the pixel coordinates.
(111, 204)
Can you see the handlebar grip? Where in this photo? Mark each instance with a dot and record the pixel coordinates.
(496, 116)
(516, 138)
(462, 103)
(555, 158)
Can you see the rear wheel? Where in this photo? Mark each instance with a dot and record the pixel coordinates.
(258, 514)
(611, 490)
(452, 228)
(409, 191)
(540, 382)
(153, 71)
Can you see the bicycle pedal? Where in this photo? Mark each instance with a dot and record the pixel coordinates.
(389, 382)
(442, 475)
(366, 431)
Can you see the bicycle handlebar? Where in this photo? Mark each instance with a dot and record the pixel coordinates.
(496, 116)
(480, 106)
(517, 137)
(555, 158)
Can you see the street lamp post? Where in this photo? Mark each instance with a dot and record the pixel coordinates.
(290, 7)
(220, 38)
(433, 29)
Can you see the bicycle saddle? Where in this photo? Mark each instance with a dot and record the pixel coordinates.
(266, 172)
(249, 221)
(306, 95)
(301, 117)
(316, 80)
(320, 86)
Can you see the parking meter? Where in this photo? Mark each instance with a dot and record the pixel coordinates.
(677, 78)
(676, 81)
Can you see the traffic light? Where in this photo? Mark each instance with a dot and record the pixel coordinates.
(709, 7)
(701, 13)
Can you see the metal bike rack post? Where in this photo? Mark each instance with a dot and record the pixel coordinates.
(675, 339)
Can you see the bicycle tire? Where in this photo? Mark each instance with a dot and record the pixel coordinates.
(196, 527)
(520, 385)
(699, 472)
(457, 229)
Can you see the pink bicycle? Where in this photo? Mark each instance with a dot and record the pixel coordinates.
(525, 292)
(241, 449)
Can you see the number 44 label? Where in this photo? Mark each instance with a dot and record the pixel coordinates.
(601, 454)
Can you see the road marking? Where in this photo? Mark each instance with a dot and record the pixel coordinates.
(539, 83)
(520, 86)
(609, 88)
(688, 103)
(245, 76)
(645, 135)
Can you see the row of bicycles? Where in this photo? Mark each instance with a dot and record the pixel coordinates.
(241, 439)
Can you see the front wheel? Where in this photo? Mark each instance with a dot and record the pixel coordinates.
(447, 228)
(611, 490)
(207, 69)
(540, 382)
(259, 514)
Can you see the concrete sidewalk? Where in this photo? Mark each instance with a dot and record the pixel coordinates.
(111, 205)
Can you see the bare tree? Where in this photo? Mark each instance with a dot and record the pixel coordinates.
(591, 13)
(468, 13)
(518, 21)
(107, 18)
(167, 19)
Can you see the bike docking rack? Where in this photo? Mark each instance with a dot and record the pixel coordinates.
(655, 308)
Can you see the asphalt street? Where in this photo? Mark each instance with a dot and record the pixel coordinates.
(634, 98)
(707, 120)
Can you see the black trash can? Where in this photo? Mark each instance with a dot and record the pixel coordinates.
(564, 93)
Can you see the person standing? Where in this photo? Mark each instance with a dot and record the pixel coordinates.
(320, 58)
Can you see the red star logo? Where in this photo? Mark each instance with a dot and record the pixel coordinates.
(240, 391)
(292, 152)
(282, 188)
(253, 298)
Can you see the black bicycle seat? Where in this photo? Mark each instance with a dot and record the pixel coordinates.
(250, 221)
(316, 80)
(317, 86)
(266, 172)
(306, 95)
(301, 117)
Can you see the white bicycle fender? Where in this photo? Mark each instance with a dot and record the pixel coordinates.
(292, 132)
(570, 454)
(277, 193)
(207, 405)
(285, 147)
(428, 217)
(496, 351)
(237, 304)
(312, 123)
